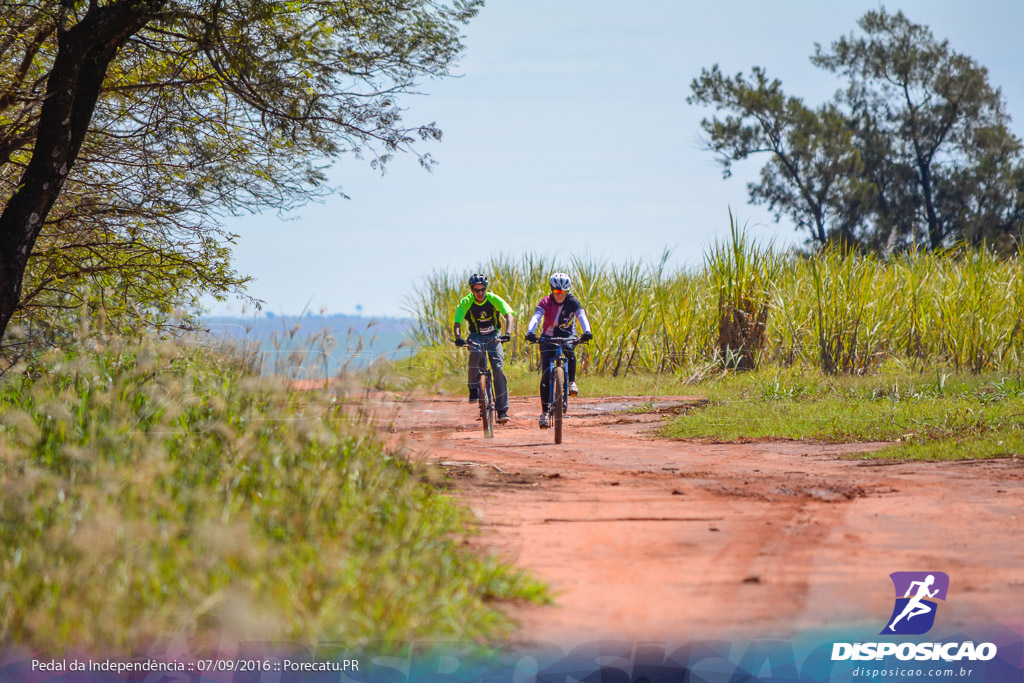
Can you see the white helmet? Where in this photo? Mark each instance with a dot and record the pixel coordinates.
(560, 281)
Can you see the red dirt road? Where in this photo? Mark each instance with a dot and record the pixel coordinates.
(642, 538)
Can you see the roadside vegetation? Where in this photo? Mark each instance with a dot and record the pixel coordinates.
(961, 311)
(154, 490)
(934, 416)
(921, 348)
(926, 414)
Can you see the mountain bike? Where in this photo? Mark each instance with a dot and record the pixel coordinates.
(485, 386)
(558, 402)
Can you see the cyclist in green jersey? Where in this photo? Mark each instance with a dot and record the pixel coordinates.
(482, 311)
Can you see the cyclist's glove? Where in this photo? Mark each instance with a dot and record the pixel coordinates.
(531, 337)
(585, 337)
(459, 341)
(505, 338)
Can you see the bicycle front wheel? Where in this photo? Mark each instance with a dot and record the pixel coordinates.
(486, 407)
(557, 409)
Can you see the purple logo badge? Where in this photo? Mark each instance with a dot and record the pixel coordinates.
(916, 595)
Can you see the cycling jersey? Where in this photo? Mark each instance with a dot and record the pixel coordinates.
(483, 317)
(559, 318)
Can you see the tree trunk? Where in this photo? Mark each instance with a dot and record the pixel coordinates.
(935, 232)
(83, 54)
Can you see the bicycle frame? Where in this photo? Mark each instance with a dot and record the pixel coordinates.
(485, 366)
(488, 409)
(558, 361)
(558, 381)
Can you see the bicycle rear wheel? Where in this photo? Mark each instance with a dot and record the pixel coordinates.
(557, 407)
(486, 407)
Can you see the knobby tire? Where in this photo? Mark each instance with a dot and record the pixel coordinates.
(557, 408)
(486, 407)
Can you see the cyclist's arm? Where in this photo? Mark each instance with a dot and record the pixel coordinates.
(460, 315)
(510, 323)
(581, 316)
(538, 313)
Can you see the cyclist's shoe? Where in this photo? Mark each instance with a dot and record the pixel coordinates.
(544, 421)
(474, 395)
(573, 389)
(503, 418)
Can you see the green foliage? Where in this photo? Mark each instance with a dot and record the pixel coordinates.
(132, 280)
(742, 272)
(843, 312)
(926, 418)
(157, 490)
(916, 149)
(845, 326)
(812, 174)
(206, 109)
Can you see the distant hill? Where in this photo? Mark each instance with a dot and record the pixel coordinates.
(357, 341)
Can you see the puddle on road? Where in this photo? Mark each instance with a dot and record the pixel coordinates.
(640, 405)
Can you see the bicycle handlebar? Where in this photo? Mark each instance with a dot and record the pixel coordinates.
(477, 346)
(558, 341)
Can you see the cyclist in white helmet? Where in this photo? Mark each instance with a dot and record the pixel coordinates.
(559, 311)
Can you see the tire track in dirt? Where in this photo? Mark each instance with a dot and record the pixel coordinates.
(644, 538)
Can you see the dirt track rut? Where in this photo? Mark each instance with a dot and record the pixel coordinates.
(648, 539)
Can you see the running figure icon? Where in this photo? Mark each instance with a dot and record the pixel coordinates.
(917, 595)
(916, 606)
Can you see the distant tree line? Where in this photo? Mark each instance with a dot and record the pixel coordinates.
(915, 150)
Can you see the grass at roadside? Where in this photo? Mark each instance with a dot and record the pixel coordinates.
(150, 491)
(928, 416)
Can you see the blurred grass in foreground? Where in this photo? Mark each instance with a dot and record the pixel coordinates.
(154, 489)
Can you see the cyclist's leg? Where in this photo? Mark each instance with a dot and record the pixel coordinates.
(570, 355)
(497, 356)
(472, 375)
(476, 358)
(547, 352)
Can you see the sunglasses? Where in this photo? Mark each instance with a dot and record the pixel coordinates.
(558, 291)
(479, 290)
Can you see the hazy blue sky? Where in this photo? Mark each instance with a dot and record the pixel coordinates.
(568, 131)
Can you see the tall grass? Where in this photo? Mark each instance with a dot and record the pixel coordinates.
(844, 313)
(157, 490)
(742, 272)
